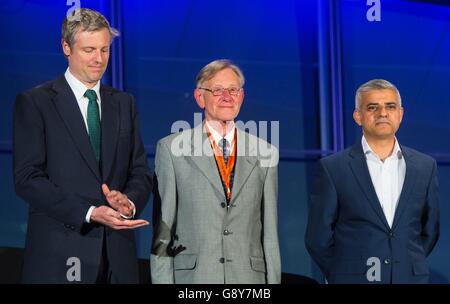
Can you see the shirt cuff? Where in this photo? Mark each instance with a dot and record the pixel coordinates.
(88, 214)
(134, 212)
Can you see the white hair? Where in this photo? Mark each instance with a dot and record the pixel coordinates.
(375, 84)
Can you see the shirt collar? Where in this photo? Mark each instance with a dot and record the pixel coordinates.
(78, 87)
(368, 150)
(217, 137)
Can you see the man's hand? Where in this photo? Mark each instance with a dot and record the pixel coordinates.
(109, 217)
(118, 201)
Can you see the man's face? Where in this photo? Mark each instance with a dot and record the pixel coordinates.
(88, 57)
(379, 114)
(226, 106)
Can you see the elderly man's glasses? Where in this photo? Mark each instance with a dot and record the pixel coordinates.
(233, 91)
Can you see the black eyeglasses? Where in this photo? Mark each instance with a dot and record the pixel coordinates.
(233, 91)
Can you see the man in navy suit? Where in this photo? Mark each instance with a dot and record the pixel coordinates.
(374, 212)
(80, 164)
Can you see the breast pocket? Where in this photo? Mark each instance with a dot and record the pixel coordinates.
(421, 268)
(258, 264)
(185, 262)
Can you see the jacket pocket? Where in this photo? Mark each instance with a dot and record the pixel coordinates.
(185, 261)
(258, 264)
(421, 268)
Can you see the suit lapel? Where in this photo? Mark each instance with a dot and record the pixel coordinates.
(203, 157)
(245, 162)
(408, 185)
(69, 111)
(360, 170)
(110, 129)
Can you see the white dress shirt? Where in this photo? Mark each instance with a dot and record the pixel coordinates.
(387, 177)
(78, 89)
(218, 137)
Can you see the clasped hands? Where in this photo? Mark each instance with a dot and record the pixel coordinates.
(115, 215)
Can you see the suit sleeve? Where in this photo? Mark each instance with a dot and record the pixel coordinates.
(164, 214)
(430, 217)
(31, 181)
(139, 183)
(319, 239)
(270, 228)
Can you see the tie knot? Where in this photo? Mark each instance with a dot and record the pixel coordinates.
(91, 95)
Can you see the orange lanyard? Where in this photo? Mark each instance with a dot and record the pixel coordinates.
(224, 169)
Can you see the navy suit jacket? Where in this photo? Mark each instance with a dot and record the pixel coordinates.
(56, 173)
(347, 226)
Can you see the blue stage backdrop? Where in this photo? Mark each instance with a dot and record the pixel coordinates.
(303, 61)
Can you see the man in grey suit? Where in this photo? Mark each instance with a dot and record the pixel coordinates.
(215, 198)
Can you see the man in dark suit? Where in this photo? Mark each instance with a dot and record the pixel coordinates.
(74, 140)
(374, 213)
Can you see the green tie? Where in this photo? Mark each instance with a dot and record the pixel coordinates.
(93, 122)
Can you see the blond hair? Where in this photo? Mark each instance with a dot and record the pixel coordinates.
(85, 20)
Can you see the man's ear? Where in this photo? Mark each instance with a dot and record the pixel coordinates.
(66, 48)
(198, 95)
(357, 117)
(242, 96)
(402, 110)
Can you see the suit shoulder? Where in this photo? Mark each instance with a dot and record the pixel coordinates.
(40, 92)
(420, 157)
(336, 158)
(121, 95)
(112, 89)
(267, 154)
(260, 142)
(255, 138)
(167, 140)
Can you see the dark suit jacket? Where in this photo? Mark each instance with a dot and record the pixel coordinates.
(347, 226)
(56, 173)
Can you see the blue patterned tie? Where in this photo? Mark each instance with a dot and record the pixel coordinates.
(93, 121)
(225, 149)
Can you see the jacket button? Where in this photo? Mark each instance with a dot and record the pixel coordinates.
(223, 205)
(387, 261)
(226, 232)
(391, 234)
(222, 260)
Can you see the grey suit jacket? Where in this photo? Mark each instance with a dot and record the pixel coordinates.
(197, 238)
